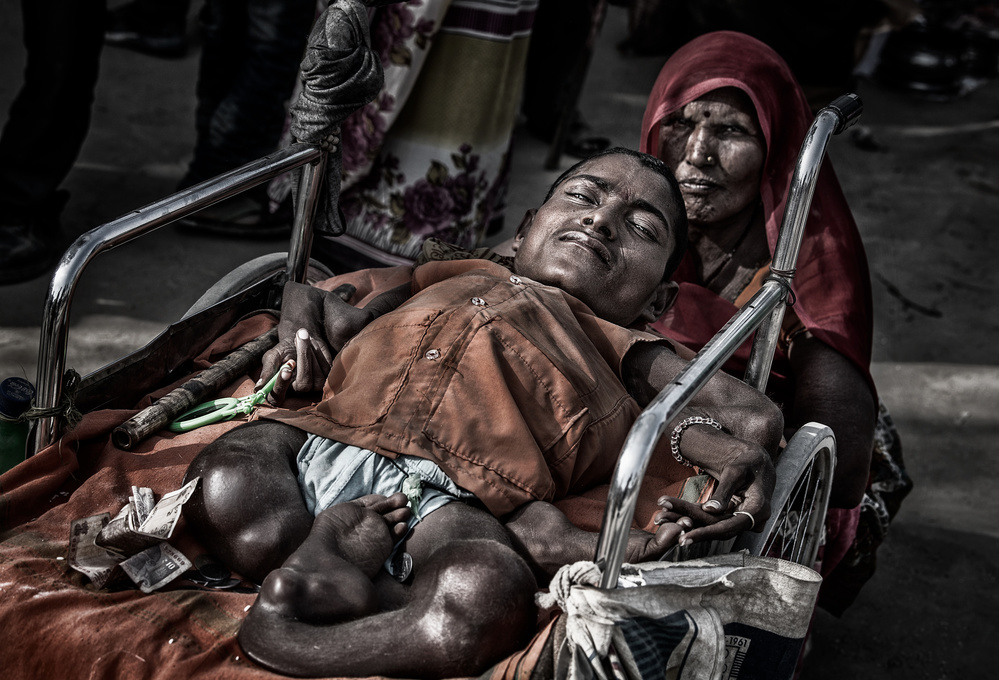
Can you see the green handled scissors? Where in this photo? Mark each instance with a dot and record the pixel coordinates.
(227, 408)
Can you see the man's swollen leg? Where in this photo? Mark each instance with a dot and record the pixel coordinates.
(470, 604)
(248, 508)
(330, 577)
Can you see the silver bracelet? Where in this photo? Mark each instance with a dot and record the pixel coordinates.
(674, 440)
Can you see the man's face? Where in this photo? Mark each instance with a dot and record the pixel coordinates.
(604, 237)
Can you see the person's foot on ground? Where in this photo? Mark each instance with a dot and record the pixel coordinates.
(578, 143)
(24, 253)
(29, 239)
(329, 577)
(129, 27)
(244, 216)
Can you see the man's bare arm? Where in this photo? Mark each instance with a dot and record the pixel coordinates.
(545, 537)
(739, 457)
(744, 411)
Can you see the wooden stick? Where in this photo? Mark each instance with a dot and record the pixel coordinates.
(195, 391)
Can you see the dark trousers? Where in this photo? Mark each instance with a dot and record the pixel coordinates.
(249, 64)
(50, 116)
(558, 43)
(159, 12)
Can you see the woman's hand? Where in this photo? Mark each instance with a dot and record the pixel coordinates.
(746, 479)
(740, 502)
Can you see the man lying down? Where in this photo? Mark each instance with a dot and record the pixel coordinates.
(401, 525)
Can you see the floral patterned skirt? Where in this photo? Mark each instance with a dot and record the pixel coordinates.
(430, 155)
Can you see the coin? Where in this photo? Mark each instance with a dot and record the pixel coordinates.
(211, 569)
(402, 566)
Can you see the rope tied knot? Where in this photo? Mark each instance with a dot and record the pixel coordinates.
(66, 409)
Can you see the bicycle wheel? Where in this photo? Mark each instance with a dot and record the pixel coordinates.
(800, 500)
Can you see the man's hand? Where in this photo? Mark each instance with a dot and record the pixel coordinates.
(645, 547)
(545, 537)
(314, 326)
(309, 365)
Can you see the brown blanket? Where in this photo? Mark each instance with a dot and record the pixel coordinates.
(54, 623)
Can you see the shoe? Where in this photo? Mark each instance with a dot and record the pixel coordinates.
(585, 147)
(131, 28)
(926, 60)
(243, 216)
(24, 253)
(578, 143)
(29, 238)
(581, 143)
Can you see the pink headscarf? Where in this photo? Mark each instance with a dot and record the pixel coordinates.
(832, 283)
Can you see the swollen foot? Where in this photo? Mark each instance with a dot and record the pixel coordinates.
(329, 577)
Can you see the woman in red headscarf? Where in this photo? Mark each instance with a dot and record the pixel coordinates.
(728, 116)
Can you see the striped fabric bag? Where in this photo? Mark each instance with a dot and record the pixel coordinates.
(731, 617)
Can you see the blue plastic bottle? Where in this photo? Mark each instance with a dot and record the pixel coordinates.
(16, 395)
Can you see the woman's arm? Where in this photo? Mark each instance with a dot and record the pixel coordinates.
(830, 389)
(740, 457)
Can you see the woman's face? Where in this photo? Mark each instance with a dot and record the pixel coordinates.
(716, 150)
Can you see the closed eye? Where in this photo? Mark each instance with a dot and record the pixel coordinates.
(586, 198)
(645, 231)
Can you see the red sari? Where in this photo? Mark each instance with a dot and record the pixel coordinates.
(832, 283)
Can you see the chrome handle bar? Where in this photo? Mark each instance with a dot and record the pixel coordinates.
(55, 321)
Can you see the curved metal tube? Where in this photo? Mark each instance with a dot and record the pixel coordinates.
(55, 320)
(649, 426)
(767, 305)
(833, 119)
(305, 210)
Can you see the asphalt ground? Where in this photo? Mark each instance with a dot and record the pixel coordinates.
(922, 180)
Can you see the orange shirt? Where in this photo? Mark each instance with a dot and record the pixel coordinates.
(512, 387)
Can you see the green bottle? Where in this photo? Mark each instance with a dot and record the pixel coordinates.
(16, 395)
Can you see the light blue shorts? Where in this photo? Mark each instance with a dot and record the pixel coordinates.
(330, 472)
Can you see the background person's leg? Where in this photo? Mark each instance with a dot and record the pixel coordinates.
(249, 62)
(45, 129)
(49, 119)
(223, 56)
(248, 508)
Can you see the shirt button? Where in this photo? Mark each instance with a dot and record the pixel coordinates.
(478, 302)
(515, 279)
(433, 354)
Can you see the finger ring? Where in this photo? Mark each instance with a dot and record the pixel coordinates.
(752, 522)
